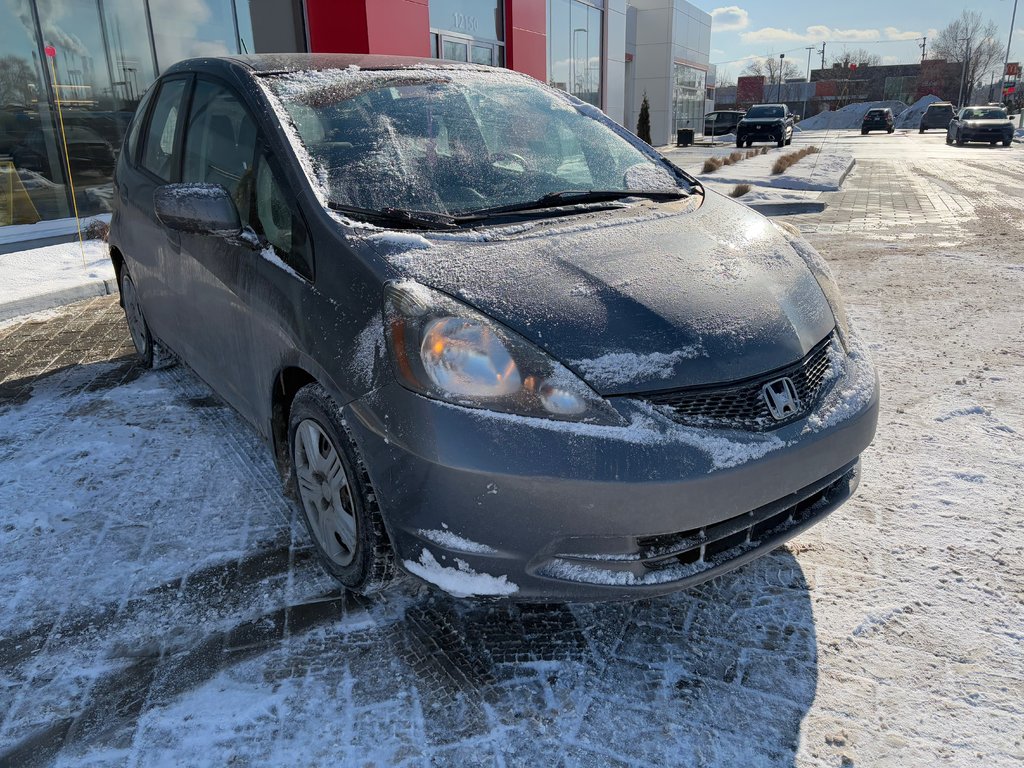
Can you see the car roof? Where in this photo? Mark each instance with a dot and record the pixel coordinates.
(273, 63)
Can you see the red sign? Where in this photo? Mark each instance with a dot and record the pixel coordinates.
(1013, 68)
(853, 66)
(50, 51)
(1008, 90)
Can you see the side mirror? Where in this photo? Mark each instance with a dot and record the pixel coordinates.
(197, 209)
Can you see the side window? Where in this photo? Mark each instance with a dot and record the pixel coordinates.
(157, 154)
(279, 222)
(138, 120)
(220, 144)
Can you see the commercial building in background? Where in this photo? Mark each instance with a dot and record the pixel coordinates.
(106, 53)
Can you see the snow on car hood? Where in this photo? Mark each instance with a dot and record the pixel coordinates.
(645, 298)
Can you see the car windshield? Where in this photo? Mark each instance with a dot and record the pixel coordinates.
(765, 112)
(876, 113)
(984, 113)
(454, 142)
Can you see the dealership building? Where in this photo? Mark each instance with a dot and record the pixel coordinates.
(97, 57)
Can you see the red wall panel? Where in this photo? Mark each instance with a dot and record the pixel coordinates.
(526, 49)
(398, 27)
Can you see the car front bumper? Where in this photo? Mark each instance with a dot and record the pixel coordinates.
(539, 510)
(761, 134)
(983, 134)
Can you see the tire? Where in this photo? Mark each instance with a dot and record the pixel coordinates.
(782, 141)
(960, 140)
(349, 538)
(891, 130)
(739, 142)
(863, 132)
(750, 142)
(136, 319)
(949, 141)
(993, 143)
(1007, 142)
(920, 130)
(789, 141)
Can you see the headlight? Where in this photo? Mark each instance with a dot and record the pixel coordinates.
(443, 349)
(820, 269)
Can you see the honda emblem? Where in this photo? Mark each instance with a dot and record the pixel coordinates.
(781, 398)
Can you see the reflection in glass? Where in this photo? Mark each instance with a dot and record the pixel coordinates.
(688, 97)
(131, 56)
(31, 174)
(454, 51)
(574, 49)
(482, 54)
(183, 30)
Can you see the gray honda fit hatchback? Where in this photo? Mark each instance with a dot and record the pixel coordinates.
(492, 339)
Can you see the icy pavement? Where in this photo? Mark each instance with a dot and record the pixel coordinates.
(161, 606)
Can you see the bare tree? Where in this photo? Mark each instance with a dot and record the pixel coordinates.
(972, 42)
(16, 81)
(858, 56)
(770, 67)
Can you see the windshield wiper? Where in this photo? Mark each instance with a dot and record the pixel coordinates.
(572, 197)
(401, 217)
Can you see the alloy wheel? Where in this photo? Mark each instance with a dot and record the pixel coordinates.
(325, 492)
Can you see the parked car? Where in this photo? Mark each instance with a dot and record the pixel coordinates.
(722, 122)
(765, 122)
(878, 120)
(937, 115)
(990, 124)
(491, 338)
(88, 152)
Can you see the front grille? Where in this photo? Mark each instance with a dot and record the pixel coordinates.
(741, 405)
(706, 544)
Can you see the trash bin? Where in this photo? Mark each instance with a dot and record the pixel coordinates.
(684, 137)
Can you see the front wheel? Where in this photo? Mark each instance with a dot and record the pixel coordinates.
(959, 140)
(863, 132)
(920, 130)
(891, 130)
(949, 140)
(782, 141)
(338, 504)
(137, 326)
(1007, 142)
(739, 142)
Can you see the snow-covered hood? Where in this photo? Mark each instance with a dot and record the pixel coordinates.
(649, 298)
(761, 120)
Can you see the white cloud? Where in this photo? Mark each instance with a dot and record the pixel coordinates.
(729, 18)
(813, 34)
(895, 34)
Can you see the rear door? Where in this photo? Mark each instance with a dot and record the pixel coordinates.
(151, 250)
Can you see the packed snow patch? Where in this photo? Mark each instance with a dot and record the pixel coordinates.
(462, 581)
(618, 368)
(449, 540)
(270, 255)
(40, 271)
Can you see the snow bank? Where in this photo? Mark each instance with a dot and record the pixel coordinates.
(911, 116)
(847, 118)
(462, 581)
(40, 271)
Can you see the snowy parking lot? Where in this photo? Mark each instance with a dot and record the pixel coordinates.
(162, 606)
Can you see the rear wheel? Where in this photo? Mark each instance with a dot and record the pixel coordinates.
(993, 143)
(1007, 142)
(337, 502)
(137, 326)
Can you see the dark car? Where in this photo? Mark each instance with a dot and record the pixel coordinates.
(722, 122)
(765, 122)
(88, 152)
(484, 329)
(878, 120)
(990, 124)
(937, 115)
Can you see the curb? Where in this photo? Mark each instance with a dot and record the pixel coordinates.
(58, 298)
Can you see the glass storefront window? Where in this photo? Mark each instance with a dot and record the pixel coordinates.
(575, 39)
(105, 61)
(31, 173)
(196, 28)
(688, 98)
(481, 19)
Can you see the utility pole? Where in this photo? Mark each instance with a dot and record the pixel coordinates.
(1002, 80)
(803, 113)
(924, 47)
(778, 92)
(963, 72)
(822, 52)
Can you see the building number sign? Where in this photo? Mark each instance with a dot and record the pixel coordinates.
(462, 22)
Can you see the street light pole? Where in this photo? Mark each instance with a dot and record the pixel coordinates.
(1006, 61)
(803, 113)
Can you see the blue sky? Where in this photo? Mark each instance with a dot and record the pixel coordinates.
(885, 27)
